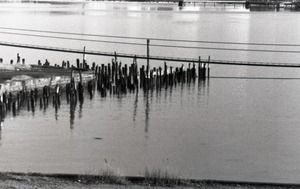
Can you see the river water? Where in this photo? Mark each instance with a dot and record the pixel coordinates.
(242, 124)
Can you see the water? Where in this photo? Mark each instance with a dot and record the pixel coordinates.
(241, 124)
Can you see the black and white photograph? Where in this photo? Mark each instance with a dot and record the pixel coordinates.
(149, 94)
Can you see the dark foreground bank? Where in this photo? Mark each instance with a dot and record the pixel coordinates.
(35, 180)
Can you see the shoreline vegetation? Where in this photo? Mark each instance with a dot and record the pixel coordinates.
(108, 179)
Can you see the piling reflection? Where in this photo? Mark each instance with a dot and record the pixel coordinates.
(147, 110)
(73, 104)
(135, 106)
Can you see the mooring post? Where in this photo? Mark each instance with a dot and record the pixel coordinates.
(171, 76)
(182, 76)
(165, 73)
(194, 71)
(18, 58)
(204, 71)
(77, 63)
(199, 68)
(80, 86)
(83, 57)
(148, 51)
(189, 73)
(115, 56)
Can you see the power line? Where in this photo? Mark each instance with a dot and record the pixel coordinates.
(172, 59)
(228, 49)
(154, 45)
(154, 39)
(71, 38)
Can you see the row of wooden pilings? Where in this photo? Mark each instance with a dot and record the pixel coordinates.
(113, 78)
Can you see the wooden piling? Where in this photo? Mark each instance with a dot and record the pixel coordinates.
(78, 63)
(148, 60)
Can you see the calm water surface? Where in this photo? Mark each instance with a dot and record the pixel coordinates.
(241, 124)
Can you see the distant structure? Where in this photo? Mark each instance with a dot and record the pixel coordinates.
(180, 3)
(274, 3)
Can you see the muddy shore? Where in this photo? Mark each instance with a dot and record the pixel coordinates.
(36, 180)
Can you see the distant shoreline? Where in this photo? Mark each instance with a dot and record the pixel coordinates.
(82, 1)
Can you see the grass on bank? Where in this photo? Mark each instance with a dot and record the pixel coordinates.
(158, 177)
(153, 177)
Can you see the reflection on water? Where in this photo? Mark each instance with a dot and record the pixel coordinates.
(147, 110)
(63, 100)
(207, 128)
(114, 80)
(135, 106)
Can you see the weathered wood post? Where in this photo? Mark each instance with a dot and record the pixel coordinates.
(171, 76)
(18, 58)
(78, 63)
(115, 56)
(148, 52)
(204, 71)
(189, 73)
(83, 57)
(80, 86)
(160, 78)
(47, 63)
(165, 73)
(199, 68)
